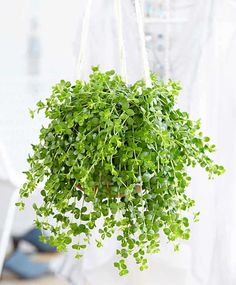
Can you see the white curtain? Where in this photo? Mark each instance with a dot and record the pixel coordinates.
(204, 60)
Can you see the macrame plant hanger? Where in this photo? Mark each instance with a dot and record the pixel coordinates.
(122, 51)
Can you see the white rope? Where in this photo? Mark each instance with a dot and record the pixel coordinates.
(84, 38)
(167, 42)
(121, 40)
(140, 22)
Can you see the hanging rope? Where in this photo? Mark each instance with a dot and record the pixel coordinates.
(140, 22)
(84, 38)
(167, 42)
(121, 39)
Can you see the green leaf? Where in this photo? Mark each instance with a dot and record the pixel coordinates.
(129, 112)
(67, 240)
(82, 229)
(206, 139)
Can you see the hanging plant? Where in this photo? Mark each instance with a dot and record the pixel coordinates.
(119, 153)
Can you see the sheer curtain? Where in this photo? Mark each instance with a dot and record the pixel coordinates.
(204, 60)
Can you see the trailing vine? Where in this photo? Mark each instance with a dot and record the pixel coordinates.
(117, 153)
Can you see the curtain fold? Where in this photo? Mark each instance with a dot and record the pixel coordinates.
(204, 60)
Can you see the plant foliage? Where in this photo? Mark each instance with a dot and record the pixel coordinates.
(105, 142)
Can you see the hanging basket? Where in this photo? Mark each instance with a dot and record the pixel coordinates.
(138, 189)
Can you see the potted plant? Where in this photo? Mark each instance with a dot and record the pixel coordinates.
(118, 152)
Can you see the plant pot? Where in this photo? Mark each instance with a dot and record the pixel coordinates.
(138, 189)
